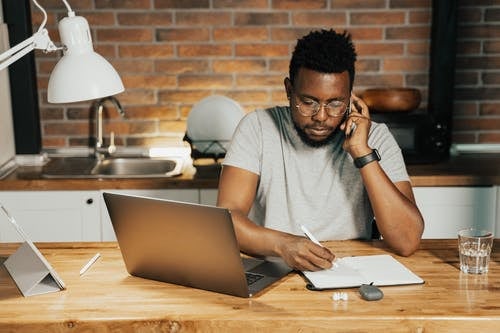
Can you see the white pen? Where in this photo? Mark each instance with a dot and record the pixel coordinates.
(90, 263)
(309, 235)
(315, 241)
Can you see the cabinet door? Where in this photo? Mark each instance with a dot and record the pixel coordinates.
(185, 195)
(448, 209)
(208, 196)
(51, 216)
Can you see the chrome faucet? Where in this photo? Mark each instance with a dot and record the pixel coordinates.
(99, 150)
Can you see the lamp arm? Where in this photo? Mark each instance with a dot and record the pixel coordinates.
(40, 40)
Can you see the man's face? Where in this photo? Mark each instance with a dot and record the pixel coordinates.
(309, 87)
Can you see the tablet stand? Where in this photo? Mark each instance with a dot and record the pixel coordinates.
(30, 271)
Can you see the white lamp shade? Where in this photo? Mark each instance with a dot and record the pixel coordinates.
(81, 74)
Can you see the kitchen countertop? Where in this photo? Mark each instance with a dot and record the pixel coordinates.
(461, 170)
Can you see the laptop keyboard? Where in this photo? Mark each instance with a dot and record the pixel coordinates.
(253, 277)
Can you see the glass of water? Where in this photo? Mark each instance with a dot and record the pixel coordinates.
(474, 247)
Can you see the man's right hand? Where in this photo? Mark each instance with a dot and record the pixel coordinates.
(302, 254)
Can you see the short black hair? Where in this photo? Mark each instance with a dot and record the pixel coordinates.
(324, 51)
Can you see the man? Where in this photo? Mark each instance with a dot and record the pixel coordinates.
(292, 166)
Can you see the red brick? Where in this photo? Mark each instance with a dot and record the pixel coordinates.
(202, 18)
(182, 34)
(294, 4)
(146, 51)
(463, 137)
(238, 66)
(64, 128)
(279, 65)
(123, 4)
(76, 5)
(421, 48)
(408, 33)
(406, 64)
(261, 18)
(469, 15)
(474, 124)
(258, 81)
(379, 80)
(410, 3)
(178, 4)
(367, 65)
(98, 19)
(489, 137)
(205, 50)
(148, 81)
(175, 66)
(137, 97)
(490, 109)
(466, 78)
(145, 18)
(242, 34)
(324, 19)
(203, 82)
(262, 50)
(238, 4)
(486, 31)
(152, 112)
(380, 49)
(491, 46)
(465, 109)
(377, 18)
(247, 96)
(424, 16)
(74, 113)
(357, 4)
(53, 142)
(52, 113)
(172, 126)
(361, 34)
(184, 96)
(133, 66)
(124, 35)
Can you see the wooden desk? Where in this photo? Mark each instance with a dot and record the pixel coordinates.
(107, 299)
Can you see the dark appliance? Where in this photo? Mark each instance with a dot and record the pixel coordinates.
(425, 135)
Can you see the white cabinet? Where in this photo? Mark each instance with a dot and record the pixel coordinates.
(52, 215)
(208, 196)
(448, 209)
(185, 195)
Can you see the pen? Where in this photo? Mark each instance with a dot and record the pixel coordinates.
(309, 235)
(315, 241)
(90, 263)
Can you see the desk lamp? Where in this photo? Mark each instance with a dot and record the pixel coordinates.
(81, 74)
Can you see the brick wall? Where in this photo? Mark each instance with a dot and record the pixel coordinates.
(172, 53)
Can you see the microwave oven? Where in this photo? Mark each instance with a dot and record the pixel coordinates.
(421, 139)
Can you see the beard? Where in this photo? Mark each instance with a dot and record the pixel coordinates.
(314, 143)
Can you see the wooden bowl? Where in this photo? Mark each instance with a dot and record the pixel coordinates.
(392, 99)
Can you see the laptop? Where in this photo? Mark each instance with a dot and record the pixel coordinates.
(186, 244)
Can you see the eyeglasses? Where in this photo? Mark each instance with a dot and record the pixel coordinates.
(309, 107)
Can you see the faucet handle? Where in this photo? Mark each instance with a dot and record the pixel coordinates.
(112, 147)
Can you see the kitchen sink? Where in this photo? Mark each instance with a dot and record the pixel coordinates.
(112, 167)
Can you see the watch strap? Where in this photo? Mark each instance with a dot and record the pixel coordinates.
(368, 158)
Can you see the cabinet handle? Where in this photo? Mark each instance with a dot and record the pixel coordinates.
(90, 201)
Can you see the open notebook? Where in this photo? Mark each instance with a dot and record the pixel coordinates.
(381, 270)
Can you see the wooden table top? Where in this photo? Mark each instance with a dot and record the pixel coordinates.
(107, 299)
(462, 170)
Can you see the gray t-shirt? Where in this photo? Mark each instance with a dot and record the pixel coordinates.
(317, 187)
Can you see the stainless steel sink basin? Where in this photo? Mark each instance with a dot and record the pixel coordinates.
(113, 167)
